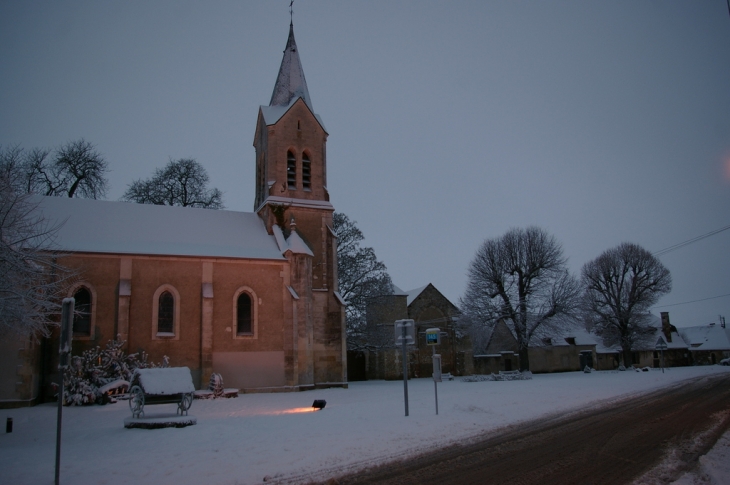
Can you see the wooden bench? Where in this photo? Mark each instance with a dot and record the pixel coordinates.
(163, 385)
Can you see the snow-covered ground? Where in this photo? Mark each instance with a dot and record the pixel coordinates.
(277, 437)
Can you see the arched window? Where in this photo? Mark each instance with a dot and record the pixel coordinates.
(306, 172)
(166, 313)
(291, 171)
(245, 314)
(82, 313)
(84, 319)
(244, 320)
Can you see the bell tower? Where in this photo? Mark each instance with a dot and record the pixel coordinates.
(293, 201)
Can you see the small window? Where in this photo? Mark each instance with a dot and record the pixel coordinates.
(82, 313)
(166, 313)
(306, 172)
(291, 171)
(243, 325)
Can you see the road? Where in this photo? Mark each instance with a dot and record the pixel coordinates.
(612, 444)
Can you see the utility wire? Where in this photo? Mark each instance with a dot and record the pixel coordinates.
(664, 251)
(693, 301)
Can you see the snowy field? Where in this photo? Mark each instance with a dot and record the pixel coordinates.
(277, 438)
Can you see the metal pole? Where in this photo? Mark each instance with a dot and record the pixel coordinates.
(405, 364)
(67, 311)
(662, 361)
(59, 416)
(435, 384)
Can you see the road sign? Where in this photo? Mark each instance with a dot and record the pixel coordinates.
(661, 344)
(433, 336)
(410, 332)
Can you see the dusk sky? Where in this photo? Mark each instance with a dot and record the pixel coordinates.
(450, 122)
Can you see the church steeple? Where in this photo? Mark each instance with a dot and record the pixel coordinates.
(290, 83)
(290, 141)
(291, 185)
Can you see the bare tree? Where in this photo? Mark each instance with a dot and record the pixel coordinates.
(182, 182)
(75, 170)
(620, 286)
(361, 277)
(521, 277)
(78, 171)
(31, 281)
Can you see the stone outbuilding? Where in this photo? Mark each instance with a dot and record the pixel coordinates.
(429, 308)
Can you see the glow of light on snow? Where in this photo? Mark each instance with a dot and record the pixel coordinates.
(245, 439)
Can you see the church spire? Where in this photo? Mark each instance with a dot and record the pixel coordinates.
(290, 83)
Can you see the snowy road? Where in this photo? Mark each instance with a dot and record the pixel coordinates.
(609, 445)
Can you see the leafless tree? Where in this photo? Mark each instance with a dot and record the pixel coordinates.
(182, 182)
(75, 170)
(521, 277)
(78, 171)
(361, 277)
(620, 286)
(31, 281)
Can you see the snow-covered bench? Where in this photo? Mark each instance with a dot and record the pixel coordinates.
(162, 385)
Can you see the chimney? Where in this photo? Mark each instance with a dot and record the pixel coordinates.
(666, 326)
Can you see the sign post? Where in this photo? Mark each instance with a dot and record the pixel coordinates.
(433, 338)
(661, 345)
(405, 334)
(64, 350)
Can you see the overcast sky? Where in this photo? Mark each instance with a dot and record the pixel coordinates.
(449, 122)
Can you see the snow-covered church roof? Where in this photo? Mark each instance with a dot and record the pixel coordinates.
(99, 226)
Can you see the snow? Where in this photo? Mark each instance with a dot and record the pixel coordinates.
(707, 337)
(714, 467)
(297, 245)
(278, 435)
(101, 226)
(165, 380)
(272, 114)
(413, 294)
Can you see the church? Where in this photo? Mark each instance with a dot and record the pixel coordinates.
(252, 296)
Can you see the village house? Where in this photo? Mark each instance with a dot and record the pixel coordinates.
(646, 354)
(252, 296)
(708, 344)
(558, 350)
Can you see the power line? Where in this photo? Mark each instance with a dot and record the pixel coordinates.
(693, 301)
(690, 241)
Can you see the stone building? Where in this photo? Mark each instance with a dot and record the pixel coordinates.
(557, 350)
(645, 354)
(252, 296)
(429, 308)
(708, 344)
